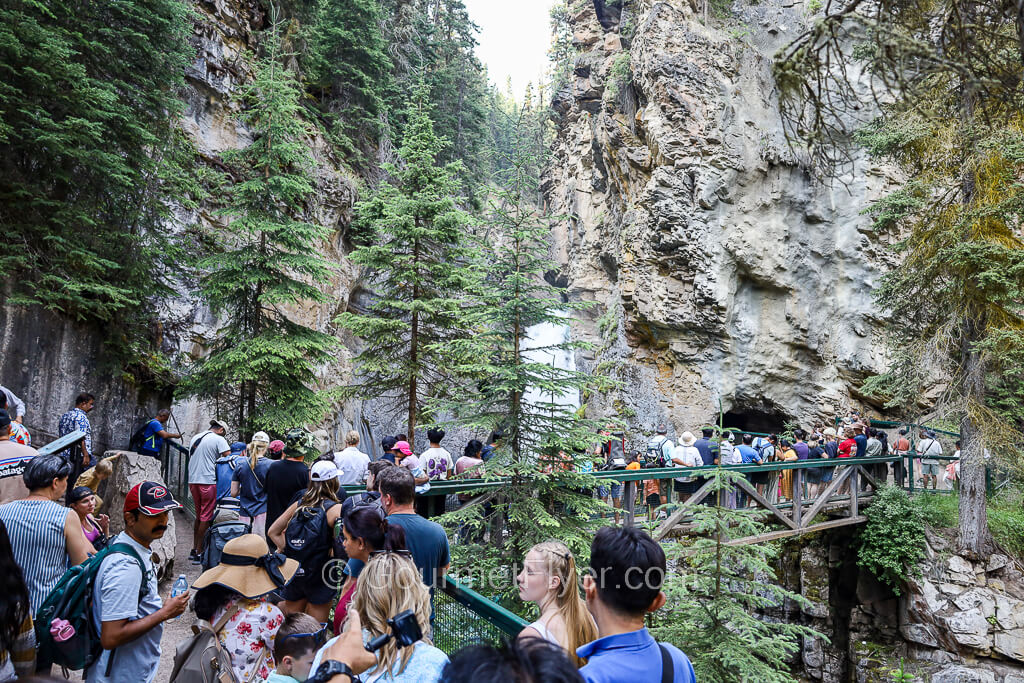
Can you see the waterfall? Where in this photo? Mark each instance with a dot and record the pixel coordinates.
(544, 343)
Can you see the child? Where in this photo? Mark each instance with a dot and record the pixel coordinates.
(94, 475)
(297, 641)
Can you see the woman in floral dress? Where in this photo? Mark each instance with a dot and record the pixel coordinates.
(232, 598)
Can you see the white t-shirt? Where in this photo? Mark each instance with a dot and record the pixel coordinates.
(689, 455)
(202, 465)
(352, 462)
(728, 455)
(929, 447)
(436, 462)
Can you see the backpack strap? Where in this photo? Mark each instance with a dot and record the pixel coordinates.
(125, 549)
(192, 449)
(668, 672)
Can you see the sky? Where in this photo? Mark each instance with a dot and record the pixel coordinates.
(514, 38)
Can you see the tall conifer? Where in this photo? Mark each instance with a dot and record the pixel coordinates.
(413, 243)
(262, 365)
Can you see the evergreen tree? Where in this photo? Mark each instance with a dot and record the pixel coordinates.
(518, 390)
(718, 595)
(262, 364)
(347, 61)
(89, 162)
(951, 120)
(414, 242)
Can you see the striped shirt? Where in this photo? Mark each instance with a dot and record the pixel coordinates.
(36, 528)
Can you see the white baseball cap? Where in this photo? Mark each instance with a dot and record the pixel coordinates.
(324, 470)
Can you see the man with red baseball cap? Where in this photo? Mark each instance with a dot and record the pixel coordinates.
(127, 610)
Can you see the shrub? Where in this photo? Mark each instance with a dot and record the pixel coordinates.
(892, 541)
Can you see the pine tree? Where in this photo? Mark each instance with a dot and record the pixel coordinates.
(262, 363)
(413, 242)
(717, 596)
(951, 119)
(347, 62)
(518, 391)
(89, 161)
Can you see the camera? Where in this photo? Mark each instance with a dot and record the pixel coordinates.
(404, 629)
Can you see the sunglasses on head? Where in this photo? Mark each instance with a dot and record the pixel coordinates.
(320, 637)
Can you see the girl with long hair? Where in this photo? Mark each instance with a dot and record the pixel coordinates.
(249, 483)
(388, 585)
(319, 508)
(550, 581)
(365, 531)
(17, 636)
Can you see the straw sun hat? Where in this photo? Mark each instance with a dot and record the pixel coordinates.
(248, 566)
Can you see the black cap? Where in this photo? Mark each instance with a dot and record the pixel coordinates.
(150, 498)
(79, 493)
(388, 443)
(5, 419)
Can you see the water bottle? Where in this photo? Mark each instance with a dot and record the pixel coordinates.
(180, 587)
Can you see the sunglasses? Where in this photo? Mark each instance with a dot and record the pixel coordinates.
(320, 637)
(400, 553)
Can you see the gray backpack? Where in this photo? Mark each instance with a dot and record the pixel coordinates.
(202, 659)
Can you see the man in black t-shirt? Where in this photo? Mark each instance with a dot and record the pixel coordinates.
(285, 478)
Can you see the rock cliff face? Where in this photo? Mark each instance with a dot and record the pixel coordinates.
(47, 360)
(959, 622)
(727, 273)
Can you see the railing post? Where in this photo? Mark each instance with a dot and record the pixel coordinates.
(854, 487)
(798, 497)
(910, 470)
(629, 503)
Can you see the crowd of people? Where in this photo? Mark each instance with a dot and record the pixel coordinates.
(312, 550)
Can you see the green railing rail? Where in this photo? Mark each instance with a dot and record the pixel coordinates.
(463, 485)
(464, 617)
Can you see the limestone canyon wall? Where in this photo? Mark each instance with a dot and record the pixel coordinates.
(728, 275)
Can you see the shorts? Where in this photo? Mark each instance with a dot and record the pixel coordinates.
(759, 477)
(308, 585)
(616, 491)
(205, 498)
(930, 469)
(685, 486)
(259, 523)
(653, 500)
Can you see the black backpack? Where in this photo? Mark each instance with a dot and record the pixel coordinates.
(655, 455)
(308, 536)
(138, 437)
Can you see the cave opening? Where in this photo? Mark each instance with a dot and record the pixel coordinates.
(755, 419)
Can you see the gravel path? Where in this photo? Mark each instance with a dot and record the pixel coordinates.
(181, 628)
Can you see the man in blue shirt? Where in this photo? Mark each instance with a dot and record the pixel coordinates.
(155, 433)
(861, 438)
(627, 568)
(748, 456)
(427, 541)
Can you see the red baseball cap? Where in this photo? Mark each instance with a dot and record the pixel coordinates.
(150, 498)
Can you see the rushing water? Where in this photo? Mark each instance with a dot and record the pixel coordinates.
(545, 343)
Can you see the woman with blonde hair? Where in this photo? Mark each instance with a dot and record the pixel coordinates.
(550, 581)
(304, 532)
(388, 585)
(249, 483)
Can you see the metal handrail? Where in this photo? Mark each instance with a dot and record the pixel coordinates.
(508, 622)
(449, 486)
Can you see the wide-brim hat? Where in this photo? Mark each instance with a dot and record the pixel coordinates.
(829, 431)
(687, 439)
(248, 567)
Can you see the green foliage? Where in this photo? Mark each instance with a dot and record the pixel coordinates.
(414, 239)
(938, 511)
(717, 597)
(814, 6)
(262, 365)
(499, 365)
(88, 158)
(619, 76)
(1006, 519)
(892, 541)
(562, 53)
(347, 64)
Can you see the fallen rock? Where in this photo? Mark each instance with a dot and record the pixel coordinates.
(955, 673)
(130, 469)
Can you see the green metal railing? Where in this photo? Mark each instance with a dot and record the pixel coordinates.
(464, 617)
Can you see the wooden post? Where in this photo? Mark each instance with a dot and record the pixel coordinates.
(798, 498)
(629, 503)
(854, 487)
(910, 470)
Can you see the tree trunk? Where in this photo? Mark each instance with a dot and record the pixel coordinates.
(973, 539)
(413, 342)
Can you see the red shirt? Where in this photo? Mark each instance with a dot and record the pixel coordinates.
(847, 448)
